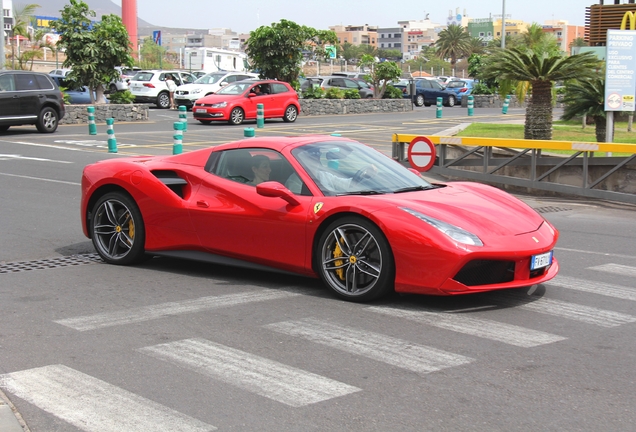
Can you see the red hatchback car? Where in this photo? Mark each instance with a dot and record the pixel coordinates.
(238, 101)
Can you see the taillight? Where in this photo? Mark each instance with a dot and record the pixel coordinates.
(463, 90)
(149, 85)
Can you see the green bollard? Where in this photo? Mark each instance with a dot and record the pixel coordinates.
(112, 141)
(92, 127)
(260, 116)
(249, 132)
(504, 109)
(438, 114)
(471, 105)
(177, 147)
(183, 117)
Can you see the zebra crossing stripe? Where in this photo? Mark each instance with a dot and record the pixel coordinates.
(609, 290)
(147, 313)
(616, 269)
(576, 312)
(94, 405)
(386, 349)
(268, 378)
(483, 328)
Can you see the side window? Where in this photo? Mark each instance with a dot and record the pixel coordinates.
(436, 85)
(230, 78)
(338, 82)
(426, 84)
(279, 88)
(187, 79)
(351, 84)
(26, 82)
(44, 83)
(7, 83)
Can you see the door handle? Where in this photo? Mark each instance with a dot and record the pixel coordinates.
(203, 204)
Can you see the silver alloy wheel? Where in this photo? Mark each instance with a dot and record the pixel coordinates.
(451, 101)
(351, 260)
(291, 113)
(163, 100)
(236, 116)
(47, 123)
(419, 100)
(113, 230)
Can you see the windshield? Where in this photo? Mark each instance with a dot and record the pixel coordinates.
(342, 168)
(456, 84)
(235, 89)
(210, 78)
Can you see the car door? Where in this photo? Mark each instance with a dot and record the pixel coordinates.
(30, 96)
(8, 96)
(423, 87)
(279, 95)
(232, 219)
(438, 91)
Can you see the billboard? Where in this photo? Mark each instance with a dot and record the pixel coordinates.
(620, 77)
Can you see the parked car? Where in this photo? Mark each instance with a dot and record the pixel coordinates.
(346, 84)
(199, 74)
(187, 94)
(60, 72)
(29, 98)
(127, 72)
(444, 80)
(150, 86)
(359, 75)
(461, 87)
(426, 92)
(237, 102)
(77, 94)
(364, 232)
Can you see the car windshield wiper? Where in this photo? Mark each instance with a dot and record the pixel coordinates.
(362, 192)
(414, 188)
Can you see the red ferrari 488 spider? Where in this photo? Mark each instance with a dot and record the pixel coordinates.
(320, 206)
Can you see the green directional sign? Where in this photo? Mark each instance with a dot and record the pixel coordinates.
(331, 51)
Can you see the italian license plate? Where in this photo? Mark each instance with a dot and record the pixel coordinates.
(540, 261)
(201, 110)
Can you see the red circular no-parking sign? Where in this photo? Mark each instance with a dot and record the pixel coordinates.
(421, 153)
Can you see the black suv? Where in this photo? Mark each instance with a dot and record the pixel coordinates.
(29, 98)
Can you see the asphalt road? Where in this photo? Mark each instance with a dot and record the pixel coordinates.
(182, 346)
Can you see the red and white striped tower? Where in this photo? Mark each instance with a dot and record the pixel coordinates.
(129, 18)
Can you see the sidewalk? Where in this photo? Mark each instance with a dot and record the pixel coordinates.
(10, 421)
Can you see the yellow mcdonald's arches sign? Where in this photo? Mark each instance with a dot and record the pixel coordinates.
(632, 21)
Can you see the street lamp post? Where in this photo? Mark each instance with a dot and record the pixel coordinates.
(503, 25)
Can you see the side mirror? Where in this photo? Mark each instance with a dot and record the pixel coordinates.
(277, 190)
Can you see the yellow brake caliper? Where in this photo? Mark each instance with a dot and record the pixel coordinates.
(131, 229)
(337, 253)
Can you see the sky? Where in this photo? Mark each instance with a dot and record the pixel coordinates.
(242, 16)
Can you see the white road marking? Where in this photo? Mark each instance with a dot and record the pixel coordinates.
(483, 328)
(616, 269)
(576, 312)
(20, 157)
(386, 349)
(94, 405)
(600, 288)
(146, 313)
(268, 378)
(41, 179)
(594, 253)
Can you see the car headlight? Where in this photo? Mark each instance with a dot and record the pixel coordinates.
(219, 105)
(456, 233)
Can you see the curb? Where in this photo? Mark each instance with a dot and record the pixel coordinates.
(10, 419)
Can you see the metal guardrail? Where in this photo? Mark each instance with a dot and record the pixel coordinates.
(523, 163)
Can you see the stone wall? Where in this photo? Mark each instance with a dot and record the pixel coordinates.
(77, 114)
(311, 107)
(491, 101)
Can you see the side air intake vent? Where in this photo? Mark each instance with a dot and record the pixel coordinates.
(171, 179)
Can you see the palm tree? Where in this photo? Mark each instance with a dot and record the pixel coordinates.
(539, 41)
(21, 19)
(540, 70)
(587, 97)
(454, 42)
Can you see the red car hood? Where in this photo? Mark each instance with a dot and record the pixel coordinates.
(476, 208)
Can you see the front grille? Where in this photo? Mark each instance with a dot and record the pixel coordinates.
(486, 272)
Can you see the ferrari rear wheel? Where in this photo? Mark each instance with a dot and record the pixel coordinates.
(355, 260)
(237, 116)
(117, 229)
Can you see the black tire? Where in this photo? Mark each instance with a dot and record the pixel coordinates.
(4, 128)
(163, 100)
(419, 100)
(47, 121)
(354, 259)
(451, 101)
(236, 116)
(291, 114)
(117, 229)
(206, 122)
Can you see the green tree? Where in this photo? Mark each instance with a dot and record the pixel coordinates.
(151, 55)
(454, 42)
(349, 52)
(22, 16)
(586, 97)
(276, 51)
(539, 71)
(539, 41)
(93, 49)
(381, 74)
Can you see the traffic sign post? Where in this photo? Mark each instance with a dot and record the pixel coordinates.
(422, 153)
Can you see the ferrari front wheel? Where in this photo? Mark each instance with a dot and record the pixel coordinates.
(354, 260)
(117, 229)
